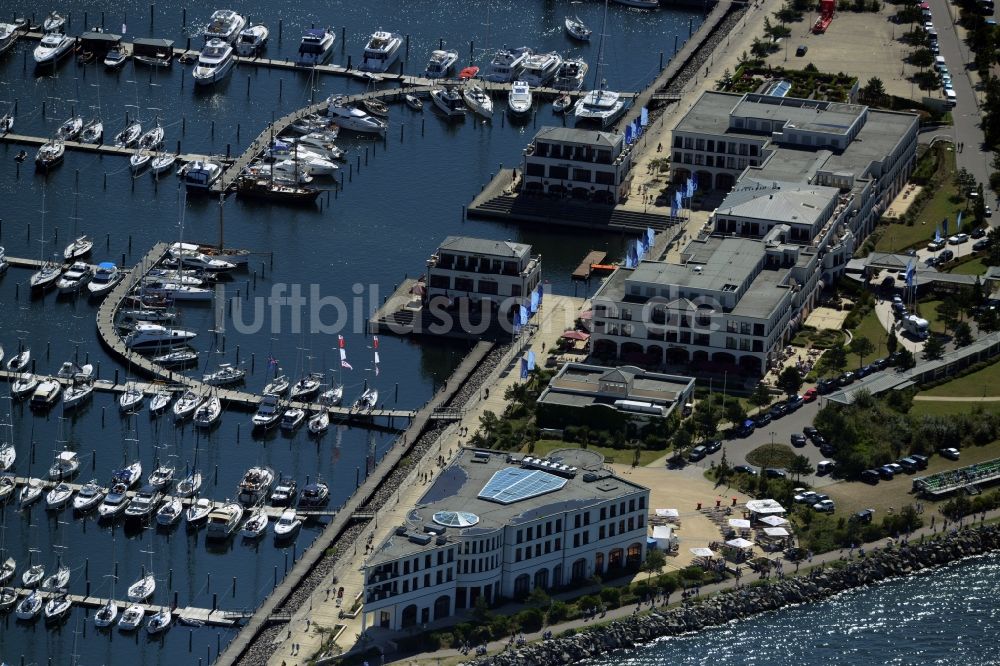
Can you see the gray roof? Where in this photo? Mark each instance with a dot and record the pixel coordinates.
(766, 292)
(485, 247)
(710, 115)
(723, 262)
(876, 139)
(581, 136)
(778, 201)
(152, 41)
(458, 486)
(810, 115)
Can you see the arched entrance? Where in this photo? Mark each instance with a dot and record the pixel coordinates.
(681, 175)
(751, 365)
(634, 557)
(409, 617)
(605, 349)
(616, 559)
(522, 586)
(654, 354)
(579, 569)
(724, 181)
(557, 577)
(631, 351)
(700, 356)
(704, 180)
(598, 564)
(677, 355)
(542, 579)
(442, 607)
(724, 357)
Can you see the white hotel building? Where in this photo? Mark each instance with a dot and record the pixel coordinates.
(494, 526)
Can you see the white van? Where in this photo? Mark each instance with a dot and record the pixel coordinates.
(950, 97)
(939, 63)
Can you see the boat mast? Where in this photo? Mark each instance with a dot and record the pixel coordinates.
(598, 84)
(221, 221)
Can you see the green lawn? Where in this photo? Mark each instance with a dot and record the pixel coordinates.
(870, 328)
(772, 455)
(928, 310)
(948, 408)
(622, 456)
(981, 382)
(974, 266)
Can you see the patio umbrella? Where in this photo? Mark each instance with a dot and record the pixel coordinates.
(575, 335)
(773, 521)
(702, 552)
(740, 543)
(739, 523)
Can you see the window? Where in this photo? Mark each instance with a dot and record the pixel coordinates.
(699, 144)
(536, 170)
(464, 284)
(582, 175)
(678, 142)
(586, 518)
(577, 520)
(732, 326)
(531, 531)
(710, 147)
(745, 344)
(558, 524)
(576, 540)
(559, 172)
(631, 506)
(558, 544)
(440, 282)
(604, 178)
(745, 328)
(406, 567)
(488, 287)
(688, 143)
(600, 532)
(631, 523)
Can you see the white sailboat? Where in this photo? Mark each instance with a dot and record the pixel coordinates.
(600, 105)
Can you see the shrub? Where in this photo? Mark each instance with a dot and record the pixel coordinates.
(611, 596)
(558, 612)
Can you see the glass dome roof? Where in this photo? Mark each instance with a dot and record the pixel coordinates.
(455, 518)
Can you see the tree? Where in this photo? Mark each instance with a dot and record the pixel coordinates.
(892, 343)
(800, 465)
(836, 357)
(922, 58)
(979, 207)
(906, 359)
(993, 247)
(965, 181)
(963, 334)
(708, 416)
(861, 347)
(933, 348)
(735, 413)
(761, 396)
(790, 380)
(654, 562)
(949, 312)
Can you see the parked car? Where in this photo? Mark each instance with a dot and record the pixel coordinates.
(819, 440)
(746, 429)
(775, 473)
(825, 467)
(863, 516)
(794, 402)
(935, 245)
(958, 239)
(825, 386)
(886, 473)
(945, 256)
(762, 419)
(745, 469)
(810, 395)
(951, 453)
(870, 476)
(909, 465)
(809, 431)
(896, 468)
(824, 506)
(778, 410)
(713, 446)
(921, 460)
(988, 211)
(798, 439)
(804, 496)
(979, 232)
(862, 372)
(697, 453)
(846, 379)
(882, 363)
(801, 50)
(827, 450)
(981, 245)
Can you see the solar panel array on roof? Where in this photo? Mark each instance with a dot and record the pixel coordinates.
(511, 485)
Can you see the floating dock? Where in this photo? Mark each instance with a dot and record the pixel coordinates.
(103, 148)
(583, 271)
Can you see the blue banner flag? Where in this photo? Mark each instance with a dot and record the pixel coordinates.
(937, 233)
(958, 223)
(690, 188)
(678, 200)
(673, 209)
(650, 236)
(534, 302)
(524, 368)
(638, 128)
(910, 274)
(524, 315)
(531, 360)
(694, 179)
(644, 116)
(540, 292)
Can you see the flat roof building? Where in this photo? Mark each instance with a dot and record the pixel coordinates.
(577, 163)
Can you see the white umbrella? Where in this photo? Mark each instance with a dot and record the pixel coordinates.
(702, 552)
(668, 513)
(739, 523)
(740, 543)
(775, 531)
(773, 521)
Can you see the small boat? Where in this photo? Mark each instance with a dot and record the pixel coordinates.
(77, 393)
(414, 102)
(19, 361)
(8, 597)
(151, 139)
(46, 394)
(29, 607)
(224, 520)
(467, 73)
(142, 589)
(129, 475)
(52, 47)
(75, 277)
(277, 386)
(292, 419)
(190, 484)
(33, 575)
(80, 247)
(70, 129)
(131, 618)
(115, 57)
(562, 103)
(106, 277)
(506, 64)
(90, 495)
(449, 102)
(161, 477)
(197, 513)
(252, 40)
(209, 413)
(8, 454)
(162, 163)
(106, 614)
(139, 161)
(177, 357)
(287, 526)
(319, 422)
(315, 494)
(65, 466)
(58, 497)
(115, 502)
(131, 398)
(333, 396)
(225, 375)
(58, 580)
(256, 485)
(7, 124)
(54, 22)
(256, 524)
(441, 63)
(93, 131)
(159, 622)
(129, 135)
(315, 47)
(577, 29)
(375, 107)
(70, 370)
(7, 569)
(9, 33)
(571, 74)
(160, 401)
(50, 154)
(284, 491)
(7, 488)
(519, 99)
(224, 24)
(478, 100)
(30, 492)
(169, 512)
(143, 504)
(24, 385)
(366, 403)
(381, 52)
(57, 607)
(306, 386)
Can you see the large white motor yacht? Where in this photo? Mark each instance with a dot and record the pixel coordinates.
(441, 63)
(200, 175)
(506, 65)
(214, 63)
(225, 24)
(519, 99)
(52, 47)
(540, 68)
(381, 51)
(154, 336)
(354, 119)
(315, 47)
(571, 74)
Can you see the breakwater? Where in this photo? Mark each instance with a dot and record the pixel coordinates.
(745, 602)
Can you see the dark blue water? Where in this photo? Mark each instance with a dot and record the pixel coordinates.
(405, 198)
(949, 616)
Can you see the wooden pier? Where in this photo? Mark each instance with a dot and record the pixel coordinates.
(583, 271)
(102, 148)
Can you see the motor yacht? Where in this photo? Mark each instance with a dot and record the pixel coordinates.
(129, 475)
(315, 47)
(91, 494)
(115, 57)
(284, 491)
(505, 66)
(540, 68)
(52, 47)
(225, 24)
(155, 336)
(413, 102)
(354, 119)
(9, 32)
(519, 99)
(441, 63)
(577, 29)
(201, 174)
(478, 100)
(115, 502)
(315, 494)
(292, 419)
(381, 51)
(54, 22)
(161, 477)
(449, 102)
(287, 526)
(571, 74)
(256, 485)
(268, 412)
(224, 520)
(252, 40)
(214, 63)
(143, 504)
(106, 277)
(46, 394)
(75, 277)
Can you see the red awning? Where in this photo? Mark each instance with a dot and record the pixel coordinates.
(575, 335)
(587, 314)
(417, 289)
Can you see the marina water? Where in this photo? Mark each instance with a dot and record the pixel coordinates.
(404, 199)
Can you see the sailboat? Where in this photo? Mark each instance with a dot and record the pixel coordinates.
(600, 105)
(108, 613)
(81, 245)
(50, 271)
(8, 454)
